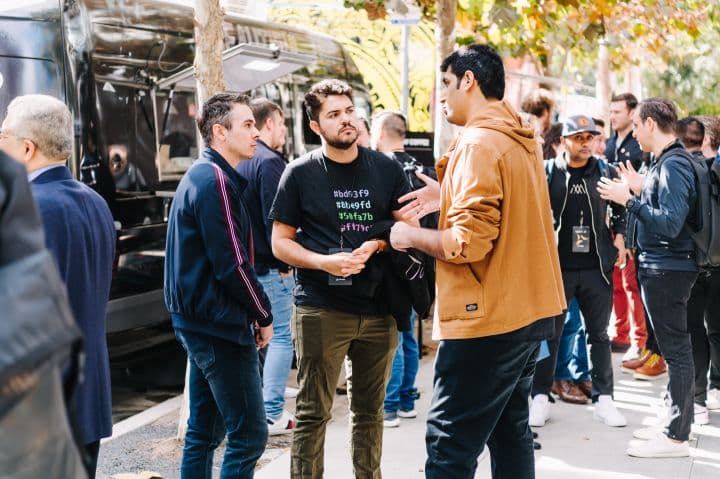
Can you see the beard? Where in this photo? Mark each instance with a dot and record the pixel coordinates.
(338, 141)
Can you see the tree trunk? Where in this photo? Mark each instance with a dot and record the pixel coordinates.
(602, 85)
(209, 43)
(445, 41)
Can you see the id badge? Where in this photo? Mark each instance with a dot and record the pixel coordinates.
(581, 239)
(339, 280)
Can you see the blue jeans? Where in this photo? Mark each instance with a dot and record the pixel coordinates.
(279, 354)
(400, 392)
(225, 398)
(572, 361)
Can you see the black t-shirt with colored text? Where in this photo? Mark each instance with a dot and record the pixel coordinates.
(335, 205)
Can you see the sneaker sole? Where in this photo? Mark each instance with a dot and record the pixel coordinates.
(391, 424)
(407, 415)
(660, 455)
(647, 377)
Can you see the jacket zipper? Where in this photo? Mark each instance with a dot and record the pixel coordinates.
(592, 221)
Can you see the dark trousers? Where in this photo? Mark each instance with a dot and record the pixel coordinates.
(665, 294)
(225, 399)
(92, 451)
(594, 296)
(650, 343)
(703, 321)
(480, 396)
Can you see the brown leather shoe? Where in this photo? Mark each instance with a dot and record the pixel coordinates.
(569, 392)
(633, 364)
(654, 368)
(585, 387)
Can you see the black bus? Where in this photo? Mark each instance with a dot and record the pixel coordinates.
(124, 68)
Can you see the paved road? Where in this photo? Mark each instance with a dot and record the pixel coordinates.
(574, 445)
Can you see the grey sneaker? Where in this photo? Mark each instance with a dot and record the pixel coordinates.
(407, 413)
(391, 419)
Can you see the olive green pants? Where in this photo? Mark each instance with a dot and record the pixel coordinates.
(323, 338)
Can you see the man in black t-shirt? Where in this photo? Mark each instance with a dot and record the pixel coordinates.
(326, 204)
(587, 253)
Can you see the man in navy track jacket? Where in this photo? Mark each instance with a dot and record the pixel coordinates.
(214, 297)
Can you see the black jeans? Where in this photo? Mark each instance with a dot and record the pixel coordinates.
(594, 296)
(704, 309)
(665, 294)
(650, 343)
(480, 396)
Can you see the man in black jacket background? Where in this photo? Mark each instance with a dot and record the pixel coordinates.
(662, 201)
(588, 251)
(263, 174)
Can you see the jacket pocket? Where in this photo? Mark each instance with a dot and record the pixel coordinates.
(464, 296)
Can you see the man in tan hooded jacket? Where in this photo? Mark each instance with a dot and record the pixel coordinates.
(498, 274)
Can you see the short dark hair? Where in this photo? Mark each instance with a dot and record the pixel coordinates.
(317, 94)
(599, 122)
(392, 122)
(691, 132)
(712, 129)
(662, 111)
(216, 110)
(263, 109)
(485, 65)
(630, 100)
(538, 102)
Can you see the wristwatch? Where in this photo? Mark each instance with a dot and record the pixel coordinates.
(630, 203)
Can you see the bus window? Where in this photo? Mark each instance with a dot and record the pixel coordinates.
(23, 76)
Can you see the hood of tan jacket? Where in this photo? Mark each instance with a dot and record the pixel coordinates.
(501, 270)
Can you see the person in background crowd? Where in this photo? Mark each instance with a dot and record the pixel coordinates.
(552, 145)
(219, 310)
(262, 174)
(600, 140)
(80, 234)
(703, 309)
(363, 132)
(628, 332)
(388, 137)
(493, 189)
(662, 201)
(711, 142)
(588, 249)
(334, 196)
(541, 104)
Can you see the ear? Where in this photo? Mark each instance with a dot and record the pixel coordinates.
(30, 149)
(468, 80)
(219, 132)
(315, 127)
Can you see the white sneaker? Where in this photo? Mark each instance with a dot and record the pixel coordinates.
(282, 425)
(291, 392)
(660, 446)
(391, 419)
(702, 416)
(409, 414)
(606, 412)
(713, 399)
(539, 410)
(648, 433)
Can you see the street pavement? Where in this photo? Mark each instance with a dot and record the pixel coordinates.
(573, 444)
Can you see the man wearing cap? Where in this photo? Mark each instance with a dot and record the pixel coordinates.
(588, 250)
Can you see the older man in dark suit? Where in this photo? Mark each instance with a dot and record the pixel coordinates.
(80, 234)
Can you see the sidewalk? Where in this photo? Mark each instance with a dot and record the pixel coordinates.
(573, 444)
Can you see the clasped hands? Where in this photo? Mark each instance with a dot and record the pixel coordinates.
(346, 264)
